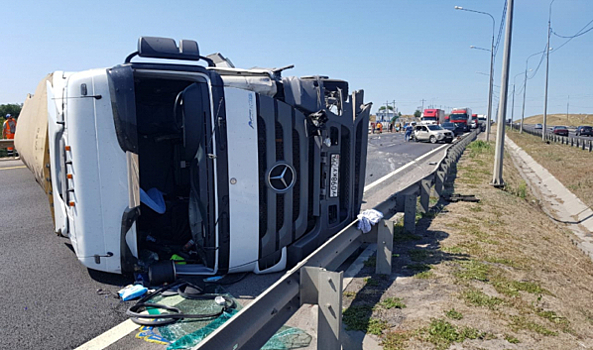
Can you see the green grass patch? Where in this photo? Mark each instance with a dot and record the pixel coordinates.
(476, 209)
(371, 282)
(556, 319)
(478, 298)
(418, 267)
(479, 147)
(519, 191)
(402, 237)
(511, 339)
(349, 294)
(520, 322)
(377, 326)
(424, 275)
(418, 255)
(393, 303)
(396, 340)
(502, 261)
(370, 262)
(529, 287)
(473, 270)
(359, 318)
(452, 250)
(512, 288)
(454, 314)
(443, 334)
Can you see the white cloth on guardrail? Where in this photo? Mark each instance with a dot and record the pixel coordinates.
(368, 218)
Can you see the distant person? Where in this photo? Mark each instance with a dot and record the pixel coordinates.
(380, 125)
(409, 130)
(8, 130)
(390, 127)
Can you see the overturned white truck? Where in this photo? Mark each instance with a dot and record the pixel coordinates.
(232, 170)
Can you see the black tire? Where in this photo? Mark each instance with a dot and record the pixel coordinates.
(161, 272)
(415, 139)
(433, 139)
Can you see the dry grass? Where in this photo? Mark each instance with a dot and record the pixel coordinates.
(570, 165)
(504, 276)
(560, 119)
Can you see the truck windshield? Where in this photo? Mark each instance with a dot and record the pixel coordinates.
(459, 116)
(429, 118)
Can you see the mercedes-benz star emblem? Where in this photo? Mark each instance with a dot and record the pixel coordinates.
(282, 177)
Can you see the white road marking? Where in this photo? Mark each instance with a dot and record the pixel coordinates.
(111, 336)
(13, 167)
(368, 187)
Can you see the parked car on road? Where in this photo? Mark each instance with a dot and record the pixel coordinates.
(432, 133)
(560, 130)
(456, 129)
(538, 126)
(584, 131)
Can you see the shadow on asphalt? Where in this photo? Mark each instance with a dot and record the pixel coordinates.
(110, 278)
(413, 255)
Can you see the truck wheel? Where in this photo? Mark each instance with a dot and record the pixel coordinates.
(161, 272)
(433, 139)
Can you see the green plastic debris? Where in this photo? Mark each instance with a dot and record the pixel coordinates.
(187, 333)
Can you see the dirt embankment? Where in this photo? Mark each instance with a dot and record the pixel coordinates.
(561, 119)
(497, 274)
(570, 165)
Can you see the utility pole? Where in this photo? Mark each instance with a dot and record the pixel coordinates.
(394, 108)
(423, 100)
(497, 180)
(547, 72)
(567, 104)
(513, 108)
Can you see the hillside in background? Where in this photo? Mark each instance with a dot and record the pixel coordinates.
(560, 119)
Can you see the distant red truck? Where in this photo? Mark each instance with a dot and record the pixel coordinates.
(461, 116)
(433, 116)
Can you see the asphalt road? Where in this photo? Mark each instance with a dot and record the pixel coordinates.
(570, 132)
(50, 301)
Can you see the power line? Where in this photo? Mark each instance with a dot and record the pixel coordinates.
(577, 34)
(504, 12)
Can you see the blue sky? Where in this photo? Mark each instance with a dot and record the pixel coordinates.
(402, 50)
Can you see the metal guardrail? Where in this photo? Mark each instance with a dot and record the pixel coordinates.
(6, 143)
(586, 145)
(312, 282)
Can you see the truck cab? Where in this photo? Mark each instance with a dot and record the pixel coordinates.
(232, 170)
(461, 116)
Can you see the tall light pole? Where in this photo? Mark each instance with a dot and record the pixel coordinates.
(547, 71)
(497, 180)
(513, 104)
(491, 69)
(525, 87)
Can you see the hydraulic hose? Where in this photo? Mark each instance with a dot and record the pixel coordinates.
(136, 315)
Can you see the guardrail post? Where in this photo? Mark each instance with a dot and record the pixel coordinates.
(410, 213)
(324, 288)
(329, 316)
(439, 182)
(425, 185)
(384, 248)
